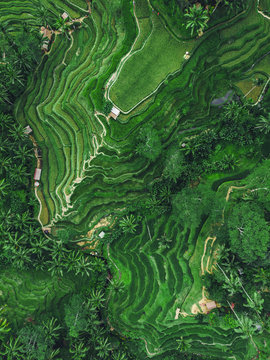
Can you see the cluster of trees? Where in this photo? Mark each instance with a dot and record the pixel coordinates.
(78, 333)
(20, 52)
(81, 332)
(242, 224)
(197, 14)
(186, 159)
(22, 243)
(240, 282)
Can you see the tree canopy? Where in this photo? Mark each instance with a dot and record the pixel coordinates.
(249, 232)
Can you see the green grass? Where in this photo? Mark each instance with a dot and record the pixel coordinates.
(59, 104)
(147, 68)
(156, 288)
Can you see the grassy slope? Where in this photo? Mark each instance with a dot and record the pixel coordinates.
(32, 293)
(59, 105)
(145, 69)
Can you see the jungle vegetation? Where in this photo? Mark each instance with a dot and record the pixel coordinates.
(169, 173)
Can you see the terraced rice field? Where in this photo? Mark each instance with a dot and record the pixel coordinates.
(90, 169)
(30, 294)
(163, 289)
(154, 56)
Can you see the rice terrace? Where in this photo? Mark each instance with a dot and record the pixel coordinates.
(135, 179)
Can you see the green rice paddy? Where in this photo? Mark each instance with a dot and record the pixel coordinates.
(90, 170)
(160, 55)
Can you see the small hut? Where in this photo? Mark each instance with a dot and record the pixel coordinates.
(45, 46)
(37, 174)
(46, 32)
(114, 113)
(211, 305)
(64, 15)
(27, 130)
(101, 234)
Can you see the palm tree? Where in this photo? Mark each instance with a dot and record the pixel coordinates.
(51, 329)
(232, 284)
(13, 75)
(19, 174)
(58, 250)
(4, 95)
(98, 265)
(128, 224)
(22, 220)
(197, 18)
(3, 188)
(83, 266)
(4, 142)
(53, 354)
(256, 303)
(4, 163)
(16, 131)
(6, 219)
(262, 276)
(264, 124)
(97, 298)
(33, 232)
(103, 347)
(13, 349)
(230, 162)
(23, 153)
(232, 110)
(4, 326)
(119, 356)
(55, 267)
(247, 327)
(21, 258)
(60, 23)
(79, 351)
(72, 259)
(183, 344)
(42, 15)
(5, 120)
(117, 285)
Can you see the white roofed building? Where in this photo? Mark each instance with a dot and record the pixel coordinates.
(102, 234)
(37, 174)
(64, 15)
(114, 112)
(27, 130)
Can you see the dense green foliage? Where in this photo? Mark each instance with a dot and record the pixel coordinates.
(249, 232)
(169, 203)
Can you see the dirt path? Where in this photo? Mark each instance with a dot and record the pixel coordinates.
(89, 7)
(230, 190)
(195, 309)
(146, 346)
(205, 244)
(260, 12)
